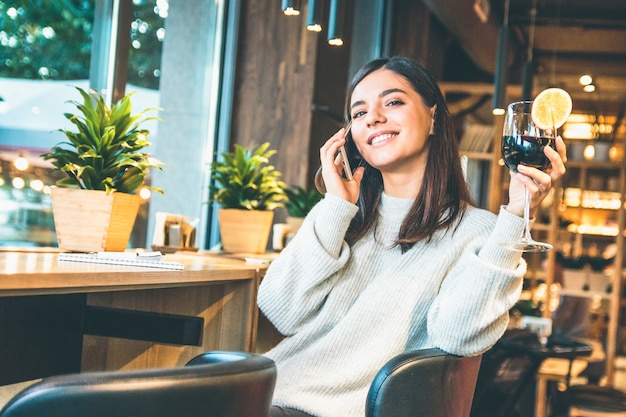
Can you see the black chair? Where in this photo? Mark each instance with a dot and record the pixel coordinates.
(591, 400)
(214, 384)
(424, 383)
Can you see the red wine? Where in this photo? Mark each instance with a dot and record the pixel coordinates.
(527, 150)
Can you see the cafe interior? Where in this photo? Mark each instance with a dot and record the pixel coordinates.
(229, 73)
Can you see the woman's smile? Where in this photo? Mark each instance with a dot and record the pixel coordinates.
(381, 138)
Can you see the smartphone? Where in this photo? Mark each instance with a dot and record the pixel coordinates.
(344, 156)
(346, 164)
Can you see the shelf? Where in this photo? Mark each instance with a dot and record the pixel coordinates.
(593, 203)
(589, 199)
(595, 206)
(580, 293)
(594, 164)
(483, 156)
(599, 231)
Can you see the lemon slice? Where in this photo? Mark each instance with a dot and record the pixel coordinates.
(551, 108)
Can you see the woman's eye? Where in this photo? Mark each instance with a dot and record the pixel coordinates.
(358, 114)
(395, 103)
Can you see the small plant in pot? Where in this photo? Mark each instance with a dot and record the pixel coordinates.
(300, 202)
(248, 189)
(95, 205)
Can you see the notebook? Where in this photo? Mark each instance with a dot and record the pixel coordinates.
(148, 259)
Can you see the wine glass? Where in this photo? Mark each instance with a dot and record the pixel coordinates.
(523, 143)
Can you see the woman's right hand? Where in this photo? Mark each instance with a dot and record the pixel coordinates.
(332, 170)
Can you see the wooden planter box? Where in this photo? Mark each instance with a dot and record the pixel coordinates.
(245, 231)
(92, 221)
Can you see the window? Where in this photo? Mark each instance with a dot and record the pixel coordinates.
(45, 48)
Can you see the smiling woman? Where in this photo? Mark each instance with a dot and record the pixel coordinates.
(399, 239)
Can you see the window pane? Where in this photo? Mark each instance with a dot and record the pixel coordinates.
(45, 46)
(45, 50)
(147, 33)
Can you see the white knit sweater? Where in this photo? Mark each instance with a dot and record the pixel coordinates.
(346, 310)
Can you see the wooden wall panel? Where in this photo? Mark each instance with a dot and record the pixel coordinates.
(274, 85)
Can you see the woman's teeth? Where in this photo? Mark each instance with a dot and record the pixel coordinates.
(381, 138)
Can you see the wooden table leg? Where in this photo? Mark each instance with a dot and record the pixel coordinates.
(541, 397)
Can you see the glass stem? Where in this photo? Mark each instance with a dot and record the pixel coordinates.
(527, 236)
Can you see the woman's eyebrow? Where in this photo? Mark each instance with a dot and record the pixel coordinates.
(356, 103)
(382, 94)
(390, 91)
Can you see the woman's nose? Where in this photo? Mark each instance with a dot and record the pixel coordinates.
(374, 116)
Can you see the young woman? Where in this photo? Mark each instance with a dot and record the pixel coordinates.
(397, 258)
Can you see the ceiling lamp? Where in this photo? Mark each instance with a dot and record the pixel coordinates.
(589, 88)
(500, 77)
(335, 22)
(585, 79)
(529, 68)
(291, 7)
(314, 15)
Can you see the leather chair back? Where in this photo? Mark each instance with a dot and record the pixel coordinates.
(424, 383)
(216, 384)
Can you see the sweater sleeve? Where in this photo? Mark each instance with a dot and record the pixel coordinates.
(298, 281)
(471, 310)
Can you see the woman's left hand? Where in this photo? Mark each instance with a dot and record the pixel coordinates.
(538, 182)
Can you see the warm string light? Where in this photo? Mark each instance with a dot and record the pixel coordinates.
(21, 163)
(20, 174)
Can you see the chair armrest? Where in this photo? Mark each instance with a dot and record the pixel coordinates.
(424, 383)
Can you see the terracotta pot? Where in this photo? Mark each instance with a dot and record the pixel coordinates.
(91, 220)
(245, 231)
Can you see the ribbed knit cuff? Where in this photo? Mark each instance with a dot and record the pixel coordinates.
(334, 218)
(508, 228)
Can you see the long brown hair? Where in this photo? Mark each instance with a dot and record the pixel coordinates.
(444, 194)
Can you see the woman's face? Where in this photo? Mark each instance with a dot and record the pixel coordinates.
(390, 123)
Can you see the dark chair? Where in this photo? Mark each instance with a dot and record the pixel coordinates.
(424, 383)
(214, 384)
(506, 381)
(591, 400)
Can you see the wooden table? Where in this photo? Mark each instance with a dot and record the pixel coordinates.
(560, 370)
(59, 316)
(554, 369)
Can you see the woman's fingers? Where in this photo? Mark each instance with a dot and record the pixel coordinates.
(329, 152)
(536, 181)
(557, 158)
(332, 169)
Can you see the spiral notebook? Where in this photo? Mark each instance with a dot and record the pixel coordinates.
(148, 259)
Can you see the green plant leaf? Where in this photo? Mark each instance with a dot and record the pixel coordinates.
(300, 201)
(243, 179)
(103, 152)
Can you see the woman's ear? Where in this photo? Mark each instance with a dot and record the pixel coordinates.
(433, 111)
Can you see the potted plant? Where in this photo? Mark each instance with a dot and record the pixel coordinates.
(299, 202)
(247, 189)
(95, 205)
